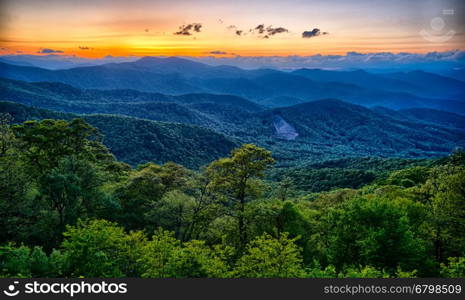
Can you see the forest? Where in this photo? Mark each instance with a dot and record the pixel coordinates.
(69, 208)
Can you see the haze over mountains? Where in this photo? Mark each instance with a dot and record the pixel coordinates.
(303, 115)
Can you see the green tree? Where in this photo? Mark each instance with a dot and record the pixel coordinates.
(17, 209)
(44, 143)
(409, 177)
(157, 254)
(197, 260)
(99, 248)
(7, 138)
(454, 269)
(236, 177)
(72, 190)
(268, 257)
(23, 261)
(444, 194)
(143, 190)
(374, 232)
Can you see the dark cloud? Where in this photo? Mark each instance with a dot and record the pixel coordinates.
(236, 30)
(146, 30)
(218, 52)
(188, 29)
(48, 51)
(313, 33)
(260, 28)
(85, 48)
(273, 31)
(266, 32)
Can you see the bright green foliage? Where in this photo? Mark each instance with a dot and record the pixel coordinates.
(409, 177)
(363, 272)
(318, 272)
(23, 262)
(157, 255)
(165, 257)
(270, 257)
(196, 260)
(444, 193)
(101, 249)
(454, 269)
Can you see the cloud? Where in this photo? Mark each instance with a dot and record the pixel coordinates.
(431, 61)
(260, 28)
(313, 33)
(48, 51)
(85, 48)
(266, 32)
(237, 31)
(188, 29)
(218, 52)
(273, 31)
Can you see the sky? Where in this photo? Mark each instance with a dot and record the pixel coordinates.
(245, 28)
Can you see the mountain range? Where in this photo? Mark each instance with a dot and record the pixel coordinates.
(312, 131)
(268, 87)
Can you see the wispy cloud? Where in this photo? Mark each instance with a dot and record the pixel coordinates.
(237, 31)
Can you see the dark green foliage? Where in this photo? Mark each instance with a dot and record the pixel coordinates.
(347, 173)
(136, 141)
(374, 232)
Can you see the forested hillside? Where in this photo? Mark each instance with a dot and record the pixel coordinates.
(309, 132)
(69, 209)
(135, 141)
(165, 168)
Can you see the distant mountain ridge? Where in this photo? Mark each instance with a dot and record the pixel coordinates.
(176, 76)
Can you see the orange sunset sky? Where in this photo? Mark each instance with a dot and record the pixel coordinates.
(140, 27)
